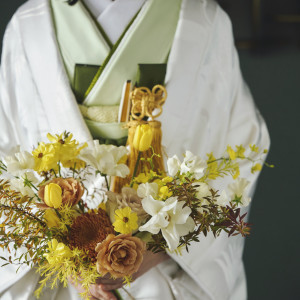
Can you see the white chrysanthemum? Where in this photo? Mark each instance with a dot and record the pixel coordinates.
(19, 162)
(147, 189)
(238, 191)
(170, 217)
(105, 158)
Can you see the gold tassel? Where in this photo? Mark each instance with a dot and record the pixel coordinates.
(143, 103)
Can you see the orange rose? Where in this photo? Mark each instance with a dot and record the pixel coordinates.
(120, 255)
(72, 191)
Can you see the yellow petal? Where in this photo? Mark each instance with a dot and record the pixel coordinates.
(53, 195)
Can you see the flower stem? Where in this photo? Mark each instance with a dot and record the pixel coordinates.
(106, 181)
(135, 168)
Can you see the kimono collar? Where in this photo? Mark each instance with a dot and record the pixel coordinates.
(52, 83)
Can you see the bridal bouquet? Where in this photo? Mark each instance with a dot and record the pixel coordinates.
(60, 211)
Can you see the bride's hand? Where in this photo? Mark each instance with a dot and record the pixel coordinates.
(96, 291)
(150, 260)
(101, 290)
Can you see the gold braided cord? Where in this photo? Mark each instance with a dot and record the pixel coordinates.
(147, 103)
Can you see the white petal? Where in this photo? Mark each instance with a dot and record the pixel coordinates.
(170, 204)
(173, 164)
(184, 229)
(151, 226)
(171, 237)
(152, 206)
(147, 189)
(181, 214)
(223, 199)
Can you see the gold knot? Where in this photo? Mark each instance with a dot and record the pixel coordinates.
(146, 102)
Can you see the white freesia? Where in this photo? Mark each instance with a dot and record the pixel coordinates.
(19, 184)
(19, 162)
(147, 189)
(238, 191)
(105, 158)
(170, 217)
(173, 164)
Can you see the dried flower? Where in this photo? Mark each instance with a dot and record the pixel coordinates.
(72, 191)
(127, 197)
(120, 255)
(88, 230)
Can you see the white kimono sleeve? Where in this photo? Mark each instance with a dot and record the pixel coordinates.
(216, 264)
(18, 100)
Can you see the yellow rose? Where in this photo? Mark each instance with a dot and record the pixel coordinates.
(53, 195)
(143, 137)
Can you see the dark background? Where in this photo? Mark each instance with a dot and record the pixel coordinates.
(267, 34)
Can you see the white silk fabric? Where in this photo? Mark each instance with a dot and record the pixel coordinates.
(208, 107)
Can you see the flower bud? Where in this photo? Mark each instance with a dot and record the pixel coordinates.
(143, 137)
(53, 195)
(51, 218)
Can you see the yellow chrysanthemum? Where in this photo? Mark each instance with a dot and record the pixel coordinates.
(126, 220)
(256, 168)
(58, 252)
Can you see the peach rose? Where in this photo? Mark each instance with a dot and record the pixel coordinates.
(72, 191)
(120, 255)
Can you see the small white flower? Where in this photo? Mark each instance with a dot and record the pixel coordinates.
(105, 158)
(223, 199)
(147, 189)
(202, 190)
(173, 164)
(19, 162)
(238, 191)
(193, 164)
(18, 184)
(170, 217)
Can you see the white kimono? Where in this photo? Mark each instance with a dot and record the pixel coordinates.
(208, 107)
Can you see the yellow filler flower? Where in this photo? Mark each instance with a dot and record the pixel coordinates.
(143, 137)
(126, 221)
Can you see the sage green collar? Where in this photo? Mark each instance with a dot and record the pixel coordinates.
(147, 40)
(80, 39)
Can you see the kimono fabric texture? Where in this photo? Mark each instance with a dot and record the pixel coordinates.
(208, 107)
